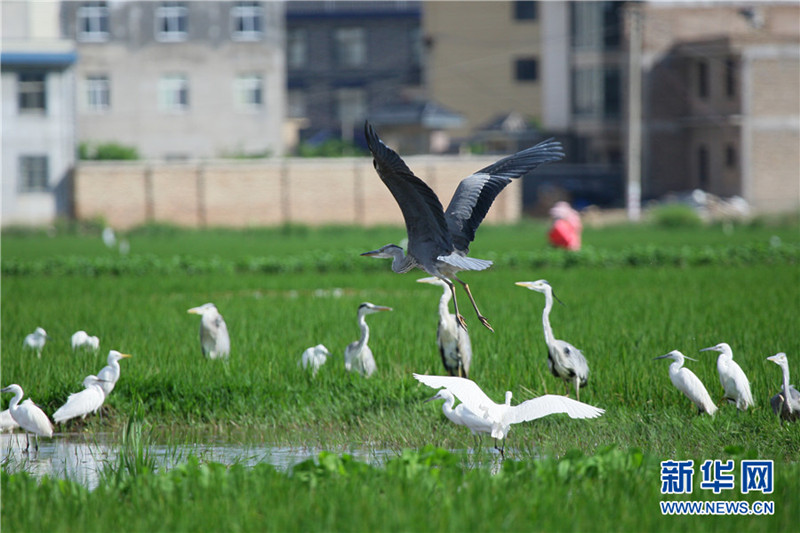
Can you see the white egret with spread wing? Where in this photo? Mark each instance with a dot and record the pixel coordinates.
(460, 414)
(358, 355)
(501, 416)
(82, 403)
(563, 359)
(688, 383)
(438, 240)
(214, 339)
(109, 375)
(785, 404)
(81, 339)
(455, 348)
(29, 416)
(732, 377)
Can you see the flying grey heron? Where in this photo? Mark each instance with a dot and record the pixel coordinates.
(438, 240)
(29, 416)
(455, 347)
(358, 356)
(732, 377)
(688, 383)
(36, 340)
(563, 359)
(786, 403)
(214, 339)
(109, 375)
(501, 416)
(89, 400)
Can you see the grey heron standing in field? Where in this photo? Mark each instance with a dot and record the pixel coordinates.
(36, 340)
(438, 240)
(109, 375)
(455, 347)
(732, 377)
(501, 416)
(563, 359)
(688, 383)
(82, 403)
(214, 339)
(358, 355)
(29, 416)
(785, 404)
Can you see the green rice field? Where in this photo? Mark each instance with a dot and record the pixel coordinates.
(633, 293)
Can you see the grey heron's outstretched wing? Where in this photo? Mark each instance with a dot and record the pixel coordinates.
(475, 194)
(422, 210)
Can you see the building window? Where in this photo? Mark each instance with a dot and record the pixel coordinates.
(173, 93)
(351, 105)
(247, 21)
(351, 47)
(93, 22)
(525, 10)
(703, 167)
(296, 103)
(248, 92)
(172, 21)
(32, 92)
(702, 79)
(730, 77)
(33, 173)
(730, 156)
(586, 91)
(297, 48)
(612, 92)
(98, 93)
(526, 69)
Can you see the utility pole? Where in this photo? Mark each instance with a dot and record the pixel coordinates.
(634, 148)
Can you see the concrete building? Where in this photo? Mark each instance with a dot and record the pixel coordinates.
(38, 118)
(348, 59)
(180, 80)
(722, 101)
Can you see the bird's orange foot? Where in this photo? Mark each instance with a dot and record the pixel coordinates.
(461, 321)
(485, 323)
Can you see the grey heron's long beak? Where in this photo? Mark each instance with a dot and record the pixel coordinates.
(372, 253)
(382, 308)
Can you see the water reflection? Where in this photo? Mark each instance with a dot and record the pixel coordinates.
(81, 458)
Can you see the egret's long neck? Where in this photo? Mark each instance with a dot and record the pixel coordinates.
(447, 406)
(14, 401)
(676, 366)
(362, 323)
(548, 330)
(786, 382)
(444, 303)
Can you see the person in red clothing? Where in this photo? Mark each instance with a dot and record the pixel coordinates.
(565, 232)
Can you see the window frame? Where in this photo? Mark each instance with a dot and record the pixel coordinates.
(250, 13)
(97, 85)
(170, 85)
(26, 185)
(523, 65)
(172, 13)
(28, 90)
(95, 14)
(351, 50)
(246, 85)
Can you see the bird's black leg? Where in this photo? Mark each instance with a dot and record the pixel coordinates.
(27, 441)
(474, 305)
(459, 318)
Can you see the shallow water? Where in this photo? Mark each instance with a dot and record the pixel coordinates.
(82, 457)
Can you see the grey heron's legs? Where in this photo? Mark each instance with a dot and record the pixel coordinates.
(577, 388)
(474, 305)
(452, 286)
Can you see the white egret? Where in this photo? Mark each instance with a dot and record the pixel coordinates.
(786, 403)
(455, 347)
(109, 375)
(81, 339)
(358, 356)
(89, 400)
(688, 383)
(7, 422)
(732, 378)
(109, 237)
(438, 240)
(563, 359)
(461, 415)
(36, 340)
(501, 416)
(314, 357)
(28, 416)
(214, 337)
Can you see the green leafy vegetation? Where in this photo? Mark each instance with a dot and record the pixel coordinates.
(107, 152)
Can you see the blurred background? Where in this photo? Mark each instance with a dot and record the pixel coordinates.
(242, 113)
